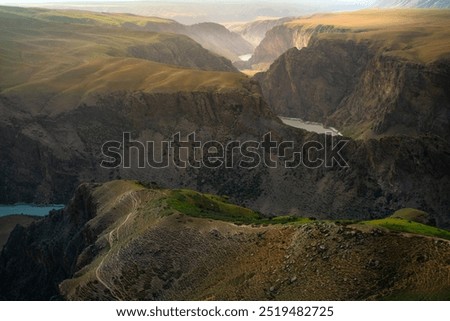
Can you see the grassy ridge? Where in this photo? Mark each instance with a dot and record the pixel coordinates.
(218, 208)
(84, 17)
(112, 19)
(411, 214)
(209, 206)
(414, 34)
(405, 226)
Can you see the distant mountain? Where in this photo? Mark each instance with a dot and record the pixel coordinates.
(412, 3)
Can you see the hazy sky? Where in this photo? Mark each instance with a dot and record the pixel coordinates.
(47, 1)
(195, 11)
(219, 1)
(51, 1)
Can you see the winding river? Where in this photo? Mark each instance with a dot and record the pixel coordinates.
(310, 126)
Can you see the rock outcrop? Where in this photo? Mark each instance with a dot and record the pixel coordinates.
(58, 241)
(8, 223)
(255, 31)
(283, 37)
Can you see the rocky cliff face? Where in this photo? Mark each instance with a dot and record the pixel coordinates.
(281, 38)
(44, 165)
(44, 158)
(360, 90)
(255, 31)
(58, 241)
(8, 223)
(121, 241)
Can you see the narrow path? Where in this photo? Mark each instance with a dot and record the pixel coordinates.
(135, 201)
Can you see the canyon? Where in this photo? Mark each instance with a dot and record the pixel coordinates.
(76, 80)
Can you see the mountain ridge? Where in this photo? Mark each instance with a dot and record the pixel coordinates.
(106, 227)
(398, 31)
(212, 36)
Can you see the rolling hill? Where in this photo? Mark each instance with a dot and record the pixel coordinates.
(211, 36)
(44, 56)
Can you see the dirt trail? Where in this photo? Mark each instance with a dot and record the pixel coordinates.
(135, 201)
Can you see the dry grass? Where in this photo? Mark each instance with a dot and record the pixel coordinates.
(84, 17)
(113, 19)
(415, 34)
(41, 57)
(149, 250)
(99, 75)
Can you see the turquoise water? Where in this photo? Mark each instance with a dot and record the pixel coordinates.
(28, 209)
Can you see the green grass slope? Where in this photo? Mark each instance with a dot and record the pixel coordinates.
(218, 208)
(405, 226)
